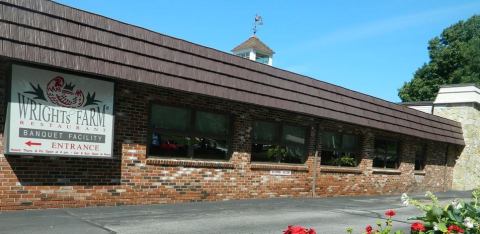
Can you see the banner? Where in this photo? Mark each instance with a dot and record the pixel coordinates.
(52, 113)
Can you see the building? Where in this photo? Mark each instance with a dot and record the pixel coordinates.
(254, 49)
(98, 112)
(460, 103)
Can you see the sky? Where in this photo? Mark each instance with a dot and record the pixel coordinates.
(370, 46)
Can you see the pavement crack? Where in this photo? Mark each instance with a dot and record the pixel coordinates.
(90, 222)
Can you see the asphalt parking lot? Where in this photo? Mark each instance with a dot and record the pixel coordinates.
(326, 215)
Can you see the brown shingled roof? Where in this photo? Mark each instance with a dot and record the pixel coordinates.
(47, 33)
(255, 43)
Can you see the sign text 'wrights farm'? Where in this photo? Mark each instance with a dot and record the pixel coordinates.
(53, 113)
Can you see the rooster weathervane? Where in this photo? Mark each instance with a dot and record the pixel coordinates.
(258, 21)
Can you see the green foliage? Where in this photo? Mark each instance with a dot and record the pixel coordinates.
(454, 59)
(442, 219)
(37, 91)
(277, 153)
(345, 160)
(455, 217)
(381, 227)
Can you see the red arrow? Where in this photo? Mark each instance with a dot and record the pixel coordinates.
(30, 143)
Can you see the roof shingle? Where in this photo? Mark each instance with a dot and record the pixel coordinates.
(254, 43)
(75, 40)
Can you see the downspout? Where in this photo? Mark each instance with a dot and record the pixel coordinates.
(445, 169)
(314, 182)
(314, 177)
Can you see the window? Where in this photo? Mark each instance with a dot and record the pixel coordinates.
(261, 58)
(339, 149)
(186, 133)
(420, 157)
(386, 154)
(276, 142)
(244, 55)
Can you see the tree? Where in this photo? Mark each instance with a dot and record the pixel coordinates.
(454, 59)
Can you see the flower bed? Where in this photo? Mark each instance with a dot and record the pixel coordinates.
(455, 217)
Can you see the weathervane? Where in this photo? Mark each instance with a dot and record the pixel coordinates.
(258, 22)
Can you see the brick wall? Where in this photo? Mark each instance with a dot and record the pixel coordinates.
(132, 177)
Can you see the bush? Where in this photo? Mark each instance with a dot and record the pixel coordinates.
(456, 217)
(453, 218)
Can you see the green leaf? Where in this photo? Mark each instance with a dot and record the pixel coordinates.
(442, 227)
(416, 218)
(37, 92)
(436, 211)
(91, 100)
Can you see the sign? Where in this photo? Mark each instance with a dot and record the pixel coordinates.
(52, 113)
(280, 173)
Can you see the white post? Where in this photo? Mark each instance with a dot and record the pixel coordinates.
(253, 56)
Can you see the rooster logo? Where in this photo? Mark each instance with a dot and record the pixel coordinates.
(62, 94)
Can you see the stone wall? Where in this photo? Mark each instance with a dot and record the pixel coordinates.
(467, 169)
(132, 177)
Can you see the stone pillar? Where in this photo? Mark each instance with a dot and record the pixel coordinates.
(241, 143)
(466, 172)
(368, 152)
(407, 162)
(407, 156)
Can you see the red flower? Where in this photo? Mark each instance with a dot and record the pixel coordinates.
(299, 230)
(390, 213)
(369, 229)
(418, 227)
(455, 229)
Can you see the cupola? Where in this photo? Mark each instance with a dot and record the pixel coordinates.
(253, 48)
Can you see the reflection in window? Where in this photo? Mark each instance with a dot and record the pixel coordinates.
(244, 55)
(274, 142)
(262, 58)
(209, 148)
(420, 157)
(339, 149)
(386, 154)
(184, 133)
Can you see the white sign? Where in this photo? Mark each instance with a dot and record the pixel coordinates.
(280, 173)
(52, 113)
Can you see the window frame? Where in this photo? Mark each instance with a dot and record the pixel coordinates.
(356, 153)
(279, 139)
(398, 155)
(245, 55)
(190, 132)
